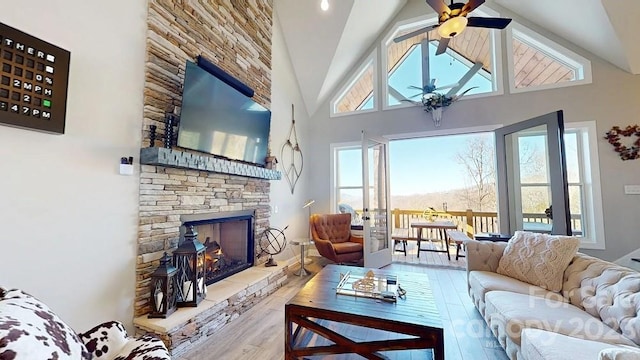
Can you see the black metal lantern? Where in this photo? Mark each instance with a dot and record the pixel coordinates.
(163, 289)
(190, 261)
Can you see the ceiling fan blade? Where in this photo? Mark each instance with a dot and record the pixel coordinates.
(442, 46)
(470, 6)
(447, 86)
(439, 6)
(491, 23)
(465, 78)
(414, 33)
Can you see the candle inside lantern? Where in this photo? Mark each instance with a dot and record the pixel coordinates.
(159, 300)
(187, 290)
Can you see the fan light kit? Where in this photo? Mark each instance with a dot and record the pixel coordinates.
(452, 27)
(452, 20)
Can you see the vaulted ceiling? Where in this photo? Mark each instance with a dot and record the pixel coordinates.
(324, 46)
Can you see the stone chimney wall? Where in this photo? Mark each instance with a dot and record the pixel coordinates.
(236, 36)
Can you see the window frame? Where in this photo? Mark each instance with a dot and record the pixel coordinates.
(593, 215)
(589, 173)
(370, 60)
(335, 170)
(581, 64)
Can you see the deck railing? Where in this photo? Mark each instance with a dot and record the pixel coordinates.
(469, 221)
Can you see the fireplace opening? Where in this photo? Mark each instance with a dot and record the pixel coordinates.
(229, 241)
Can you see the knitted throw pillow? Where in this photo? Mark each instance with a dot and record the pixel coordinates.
(538, 259)
(30, 330)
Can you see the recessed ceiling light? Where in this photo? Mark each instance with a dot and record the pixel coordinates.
(324, 5)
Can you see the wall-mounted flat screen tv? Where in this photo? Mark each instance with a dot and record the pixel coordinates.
(218, 119)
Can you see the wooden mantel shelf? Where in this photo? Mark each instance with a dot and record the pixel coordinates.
(185, 160)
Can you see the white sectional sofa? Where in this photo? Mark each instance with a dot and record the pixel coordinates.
(595, 315)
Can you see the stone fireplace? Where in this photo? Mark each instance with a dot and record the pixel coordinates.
(236, 36)
(229, 239)
(232, 212)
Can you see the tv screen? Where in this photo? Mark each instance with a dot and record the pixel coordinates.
(217, 119)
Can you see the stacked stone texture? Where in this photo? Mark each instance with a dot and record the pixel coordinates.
(236, 36)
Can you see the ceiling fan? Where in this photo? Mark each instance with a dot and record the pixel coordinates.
(429, 84)
(452, 20)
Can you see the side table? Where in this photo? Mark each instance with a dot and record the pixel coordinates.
(302, 243)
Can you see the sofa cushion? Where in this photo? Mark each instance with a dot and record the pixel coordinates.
(510, 313)
(538, 259)
(30, 330)
(619, 353)
(105, 340)
(481, 282)
(347, 247)
(109, 341)
(546, 345)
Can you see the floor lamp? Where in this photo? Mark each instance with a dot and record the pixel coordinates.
(308, 204)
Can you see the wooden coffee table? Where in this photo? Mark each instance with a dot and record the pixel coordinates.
(318, 321)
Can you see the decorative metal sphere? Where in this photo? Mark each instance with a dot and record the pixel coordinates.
(272, 241)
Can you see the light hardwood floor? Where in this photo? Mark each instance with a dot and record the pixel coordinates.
(259, 333)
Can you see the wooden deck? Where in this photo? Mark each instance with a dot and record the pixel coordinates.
(429, 258)
(259, 333)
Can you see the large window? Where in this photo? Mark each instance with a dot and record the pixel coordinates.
(583, 175)
(358, 95)
(537, 63)
(582, 178)
(405, 65)
(347, 167)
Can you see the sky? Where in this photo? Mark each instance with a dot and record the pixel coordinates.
(417, 166)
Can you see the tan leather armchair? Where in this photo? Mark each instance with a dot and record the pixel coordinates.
(332, 236)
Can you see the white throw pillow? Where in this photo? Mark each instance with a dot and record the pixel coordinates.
(538, 259)
(619, 353)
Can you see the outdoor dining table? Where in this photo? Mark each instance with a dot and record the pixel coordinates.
(441, 226)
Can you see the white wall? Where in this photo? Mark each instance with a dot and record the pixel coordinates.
(69, 220)
(612, 99)
(284, 92)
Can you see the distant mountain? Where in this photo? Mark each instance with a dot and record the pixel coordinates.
(455, 200)
(452, 200)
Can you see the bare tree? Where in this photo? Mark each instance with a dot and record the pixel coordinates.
(478, 159)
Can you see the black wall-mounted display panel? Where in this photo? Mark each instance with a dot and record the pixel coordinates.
(34, 75)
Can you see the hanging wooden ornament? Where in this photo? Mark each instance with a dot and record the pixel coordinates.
(291, 155)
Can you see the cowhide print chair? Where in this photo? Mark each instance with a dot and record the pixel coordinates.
(30, 330)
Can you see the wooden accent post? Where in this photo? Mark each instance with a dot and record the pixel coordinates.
(470, 231)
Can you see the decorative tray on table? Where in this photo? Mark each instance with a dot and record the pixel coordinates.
(369, 285)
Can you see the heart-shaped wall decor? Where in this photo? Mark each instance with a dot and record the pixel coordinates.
(614, 136)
